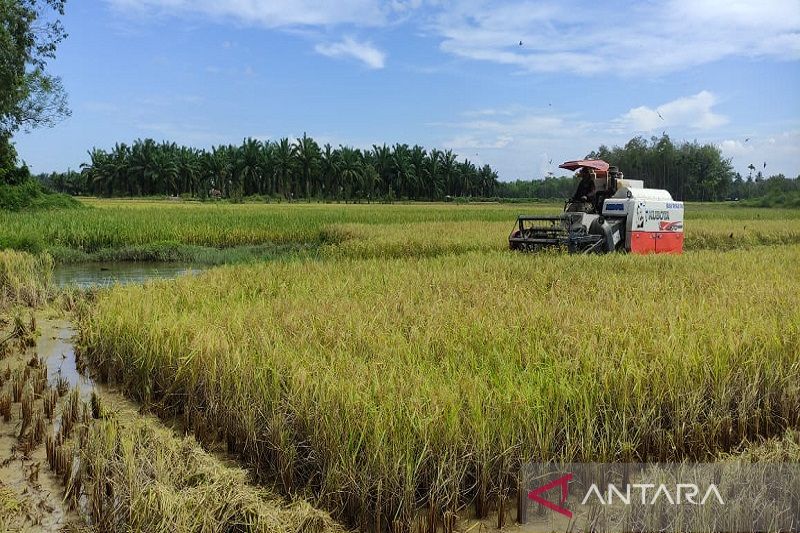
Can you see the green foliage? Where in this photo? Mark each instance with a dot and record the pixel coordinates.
(303, 169)
(689, 170)
(10, 173)
(290, 170)
(29, 96)
(558, 188)
(776, 199)
(29, 195)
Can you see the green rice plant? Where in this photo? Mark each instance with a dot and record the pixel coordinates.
(134, 230)
(25, 279)
(116, 224)
(391, 385)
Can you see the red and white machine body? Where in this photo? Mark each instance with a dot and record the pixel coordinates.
(653, 220)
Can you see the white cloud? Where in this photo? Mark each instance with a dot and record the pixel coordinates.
(349, 47)
(268, 13)
(474, 141)
(517, 140)
(620, 38)
(734, 147)
(691, 111)
(649, 38)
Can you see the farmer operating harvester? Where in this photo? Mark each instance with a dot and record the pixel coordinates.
(608, 213)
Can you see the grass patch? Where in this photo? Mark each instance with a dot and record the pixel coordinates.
(789, 200)
(31, 196)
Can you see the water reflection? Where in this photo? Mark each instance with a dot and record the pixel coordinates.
(87, 275)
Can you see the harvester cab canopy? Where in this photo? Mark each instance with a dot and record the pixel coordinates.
(598, 165)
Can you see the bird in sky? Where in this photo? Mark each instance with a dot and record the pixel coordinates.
(747, 139)
(659, 115)
(765, 164)
(520, 43)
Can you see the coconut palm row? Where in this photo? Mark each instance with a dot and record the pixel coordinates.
(299, 169)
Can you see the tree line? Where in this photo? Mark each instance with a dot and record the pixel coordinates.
(278, 169)
(303, 169)
(689, 170)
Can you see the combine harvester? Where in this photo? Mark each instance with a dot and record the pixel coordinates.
(615, 214)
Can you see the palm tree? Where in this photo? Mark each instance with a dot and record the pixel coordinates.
(249, 166)
(435, 181)
(303, 169)
(350, 170)
(307, 154)
(188, 163)
(382, 160)
(402, 171)
(97, 172)
(142, 165)
(420, 177)
(222, 170)
(449, 172)
(284, 165)
(329, 169)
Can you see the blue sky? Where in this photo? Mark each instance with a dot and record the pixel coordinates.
(441, 74)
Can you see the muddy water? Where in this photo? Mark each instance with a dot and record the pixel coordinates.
(54, 345)
(88, 275)
(28, 475)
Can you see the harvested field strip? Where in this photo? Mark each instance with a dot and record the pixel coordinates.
(388, 386)
(138, 476)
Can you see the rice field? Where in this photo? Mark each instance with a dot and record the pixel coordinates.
(406, 371)
(400, 367)
(157, 230)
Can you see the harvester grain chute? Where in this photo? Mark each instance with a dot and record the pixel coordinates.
(608, 213)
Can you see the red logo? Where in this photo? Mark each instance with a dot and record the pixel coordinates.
(562, 482)
(670, 226)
